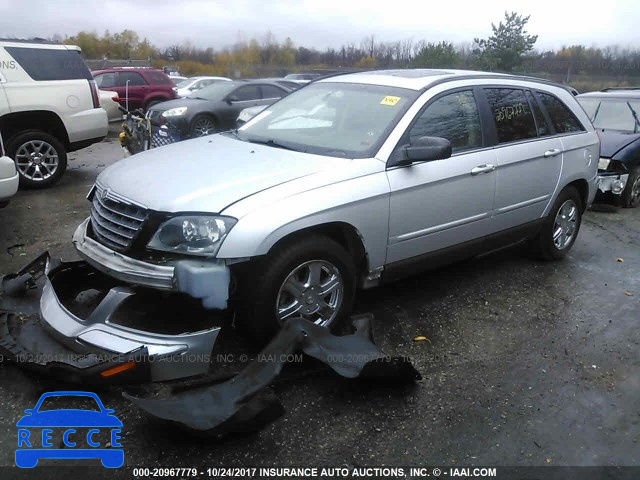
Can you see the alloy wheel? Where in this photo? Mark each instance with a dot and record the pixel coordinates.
(36, 160)
(314, 291)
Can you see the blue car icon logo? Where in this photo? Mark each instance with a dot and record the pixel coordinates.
(82, 431)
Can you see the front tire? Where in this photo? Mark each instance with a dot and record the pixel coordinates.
(41, 159)
(630, 197)
(561, 227)
(202, 125)
(313, 278)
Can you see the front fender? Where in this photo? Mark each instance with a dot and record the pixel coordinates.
(361, 202)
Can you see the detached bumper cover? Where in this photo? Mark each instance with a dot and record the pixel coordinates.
(245, 403)
(89, 313)
(25, 342)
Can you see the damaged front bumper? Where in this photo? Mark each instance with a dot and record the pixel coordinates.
(612, 182)
(89, 312)
(206, 280)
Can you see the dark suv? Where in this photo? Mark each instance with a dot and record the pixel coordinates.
(143, 86)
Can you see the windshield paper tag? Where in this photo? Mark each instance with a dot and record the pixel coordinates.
(390, 100)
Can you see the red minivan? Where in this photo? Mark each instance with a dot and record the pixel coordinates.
(142, 86)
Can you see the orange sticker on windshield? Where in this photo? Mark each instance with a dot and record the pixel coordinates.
(389, 100)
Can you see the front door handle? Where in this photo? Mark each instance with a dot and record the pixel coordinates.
(483, 169)
(552, 153)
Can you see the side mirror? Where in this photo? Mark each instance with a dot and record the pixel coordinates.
(232, 98)
(426, 149)
(29, 411)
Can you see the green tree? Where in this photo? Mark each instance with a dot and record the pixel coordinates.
(436, 55)
(504, 50)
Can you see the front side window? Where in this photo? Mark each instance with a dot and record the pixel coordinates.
(511, 114)
(562, 118)
(337, 119)
(246, 93)
(134, 79)
(454, 117)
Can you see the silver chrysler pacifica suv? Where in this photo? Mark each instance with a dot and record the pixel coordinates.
(349, 182)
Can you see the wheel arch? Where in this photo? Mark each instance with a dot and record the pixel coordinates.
(345, 234)
(582, 186)
(47, 121)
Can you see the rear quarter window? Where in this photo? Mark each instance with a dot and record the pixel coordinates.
(562, 117)
(50, 64)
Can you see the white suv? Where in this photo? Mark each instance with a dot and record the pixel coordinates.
(49, 105)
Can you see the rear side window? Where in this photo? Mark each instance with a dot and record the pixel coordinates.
(50, 64)
(541, 122)
(562, 118)
(454, 117)
(249, 92)
(269, 91)
(133, 78)
(159, 78)
(106, 80)
(512, 114)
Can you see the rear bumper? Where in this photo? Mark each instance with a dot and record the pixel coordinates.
(87, 127)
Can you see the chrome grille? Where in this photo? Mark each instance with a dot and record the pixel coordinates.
(114, 222)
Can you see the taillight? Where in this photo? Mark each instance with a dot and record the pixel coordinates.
(94, 93)
(116, 99)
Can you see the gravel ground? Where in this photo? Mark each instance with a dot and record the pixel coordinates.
(525, 363)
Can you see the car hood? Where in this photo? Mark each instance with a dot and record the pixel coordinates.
(207, 174)
(612, 141)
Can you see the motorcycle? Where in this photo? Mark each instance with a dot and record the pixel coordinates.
(140, 133)
(136, 132)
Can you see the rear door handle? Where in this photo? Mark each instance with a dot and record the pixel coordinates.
(552, 153)
(483, 169)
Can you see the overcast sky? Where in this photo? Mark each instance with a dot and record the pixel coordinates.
(323, 23)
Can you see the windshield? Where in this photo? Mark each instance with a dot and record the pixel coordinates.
(214, 92)
(185, 83)
(613, 113)
(336, 119)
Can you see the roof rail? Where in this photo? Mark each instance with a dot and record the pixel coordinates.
(613, 89)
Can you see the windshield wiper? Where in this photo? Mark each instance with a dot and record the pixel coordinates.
(273, 143)
(635, 117)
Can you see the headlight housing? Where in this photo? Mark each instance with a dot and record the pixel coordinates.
(174, 112)
(192, 234)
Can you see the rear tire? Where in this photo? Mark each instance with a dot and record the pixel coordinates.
(630, 197)
(560, 228)
(313, 277)
(41, 159)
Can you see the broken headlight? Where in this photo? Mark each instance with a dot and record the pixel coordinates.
(192, 234)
